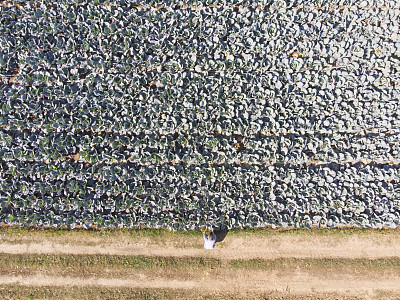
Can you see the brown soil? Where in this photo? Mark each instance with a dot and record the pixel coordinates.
(238, 247)
(345, 281)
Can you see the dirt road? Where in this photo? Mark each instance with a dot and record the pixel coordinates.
(362, 265)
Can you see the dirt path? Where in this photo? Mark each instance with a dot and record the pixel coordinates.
(240, 283)
(371, 247)
(260, 281)
(346, 281)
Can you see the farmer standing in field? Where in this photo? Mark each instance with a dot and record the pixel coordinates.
(209, 240)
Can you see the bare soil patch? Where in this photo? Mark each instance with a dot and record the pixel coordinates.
(355, 265)
(233, 247)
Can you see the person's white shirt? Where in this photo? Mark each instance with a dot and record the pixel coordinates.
(209, 243)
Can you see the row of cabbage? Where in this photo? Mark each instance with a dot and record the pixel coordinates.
(120, 113)
(182, 197)
(110, 148)
(207, 79)
(189, 110)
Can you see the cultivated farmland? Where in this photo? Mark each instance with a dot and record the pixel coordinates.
(178, 114)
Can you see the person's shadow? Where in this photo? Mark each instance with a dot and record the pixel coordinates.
(220, 234)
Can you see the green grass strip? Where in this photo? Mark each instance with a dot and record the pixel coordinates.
(98, 292)
(104, 261)
(7, 230)
(305, 264)
(140, 262)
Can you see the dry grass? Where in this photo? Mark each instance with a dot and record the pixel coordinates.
(151, 261)
(8, 230)
(76, 292)
(181, 267)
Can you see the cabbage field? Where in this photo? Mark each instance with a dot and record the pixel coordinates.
(178, 114)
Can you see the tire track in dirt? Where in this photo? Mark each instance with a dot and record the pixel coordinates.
(242, 281)
(234, 248)
(348, 282)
